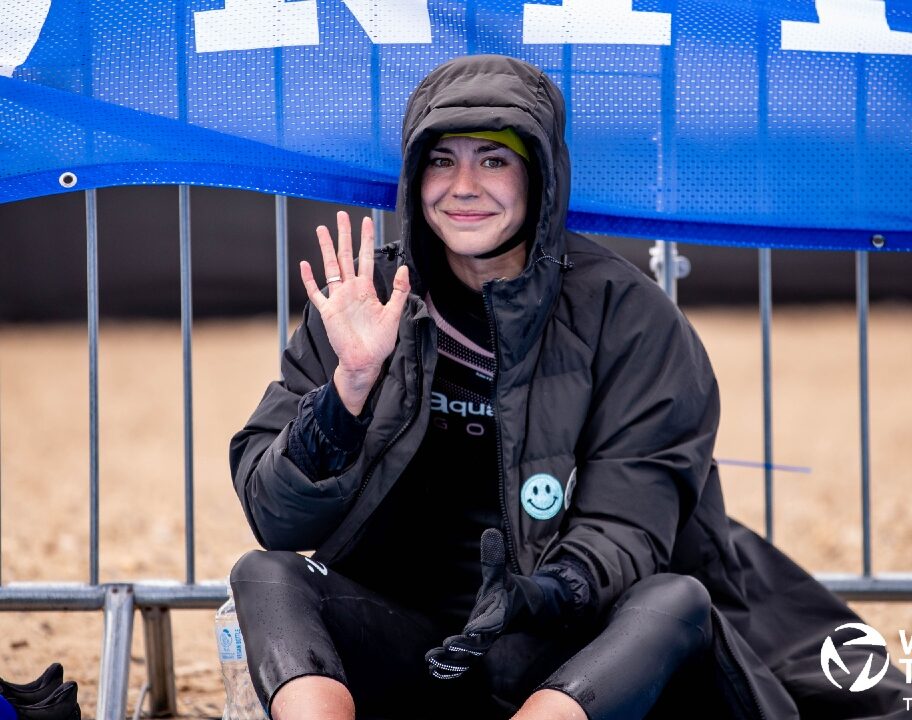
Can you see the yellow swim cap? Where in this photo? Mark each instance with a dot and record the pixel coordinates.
(508, 138)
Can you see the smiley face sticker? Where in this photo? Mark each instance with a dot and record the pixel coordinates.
(542, 496)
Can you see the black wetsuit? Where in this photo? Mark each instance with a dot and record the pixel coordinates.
(447, 495)
(412, 579)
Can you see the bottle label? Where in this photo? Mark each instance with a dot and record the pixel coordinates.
(230, 643)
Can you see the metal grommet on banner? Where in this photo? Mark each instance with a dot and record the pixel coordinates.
(878, 241)
(67, 179)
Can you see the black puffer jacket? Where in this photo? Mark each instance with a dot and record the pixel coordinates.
(601, 384)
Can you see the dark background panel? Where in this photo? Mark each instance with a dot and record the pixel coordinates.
(43, 262)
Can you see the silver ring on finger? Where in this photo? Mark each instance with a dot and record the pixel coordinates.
(334, 278)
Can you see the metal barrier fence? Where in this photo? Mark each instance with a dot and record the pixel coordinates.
(155, 599)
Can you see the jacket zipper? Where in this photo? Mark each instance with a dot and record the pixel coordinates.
(492, 325)
(402, 430)
(734, 658)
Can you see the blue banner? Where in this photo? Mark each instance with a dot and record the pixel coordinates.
(748, 122)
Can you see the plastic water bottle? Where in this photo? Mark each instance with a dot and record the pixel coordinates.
(241, 701)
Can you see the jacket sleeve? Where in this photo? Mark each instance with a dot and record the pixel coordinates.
(325, 437)
(646, 448)
(295, 505)
(578, 587)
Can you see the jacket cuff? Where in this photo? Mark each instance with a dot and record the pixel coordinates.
(340, 427)
(577, 582)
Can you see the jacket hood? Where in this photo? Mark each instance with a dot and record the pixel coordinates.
(487, 92)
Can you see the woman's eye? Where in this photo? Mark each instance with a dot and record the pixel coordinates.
(493, 162)
(440, 162)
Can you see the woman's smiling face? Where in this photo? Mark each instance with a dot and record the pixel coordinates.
(473, 194)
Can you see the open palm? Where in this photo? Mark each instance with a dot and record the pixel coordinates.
(361, 329)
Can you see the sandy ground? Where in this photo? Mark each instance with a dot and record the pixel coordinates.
(44, 431)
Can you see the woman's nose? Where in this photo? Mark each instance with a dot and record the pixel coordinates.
(464, 182)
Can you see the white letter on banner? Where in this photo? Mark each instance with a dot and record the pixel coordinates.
(21, 21)
(393, 21)
(612, 22)
(249, 24)
(850, 26)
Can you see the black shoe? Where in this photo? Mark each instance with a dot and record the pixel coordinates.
(34, 691)
(59, 705)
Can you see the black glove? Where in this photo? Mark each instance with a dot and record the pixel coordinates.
(504, 600)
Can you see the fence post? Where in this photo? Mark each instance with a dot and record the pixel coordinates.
(115, 653)
(281, 220)
(159, 661)
(668, 267)
(92, 322)
(766, 317)
(379, 229)
(186, 281)
(862, 304)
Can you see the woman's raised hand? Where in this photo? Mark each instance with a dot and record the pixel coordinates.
(361, 330)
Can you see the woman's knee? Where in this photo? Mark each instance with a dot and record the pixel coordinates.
(684, 592)
(679, 596)
(256, 566)
(277, 568)
(657, 625)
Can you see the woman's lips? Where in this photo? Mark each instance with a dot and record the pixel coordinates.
(468, 216)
